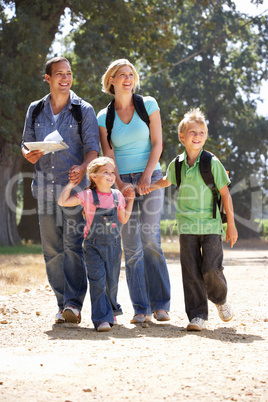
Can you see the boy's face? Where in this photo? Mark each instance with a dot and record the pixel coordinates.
(194, 137)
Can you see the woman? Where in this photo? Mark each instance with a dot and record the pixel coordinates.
(136, 150)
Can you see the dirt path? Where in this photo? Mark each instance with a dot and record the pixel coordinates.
(42, 362)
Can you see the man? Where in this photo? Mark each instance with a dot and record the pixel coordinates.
(61, 228)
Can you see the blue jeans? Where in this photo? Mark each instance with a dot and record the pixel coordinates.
(61, 232)
(103, 262)
(202, 273)
(146, 268)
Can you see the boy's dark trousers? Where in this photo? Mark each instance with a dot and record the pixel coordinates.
(202, 273)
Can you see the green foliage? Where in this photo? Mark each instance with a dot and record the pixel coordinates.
(169, 227)
(21, 249)
(24, 43)
(263, 226)
(157, 36)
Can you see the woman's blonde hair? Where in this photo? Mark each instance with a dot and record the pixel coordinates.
(94, 166)
(193, 116)
(111, 72)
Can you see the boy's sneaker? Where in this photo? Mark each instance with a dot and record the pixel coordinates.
(71, 314)
(196, 324)
(59, 318)
(104, 327)
(226, 311)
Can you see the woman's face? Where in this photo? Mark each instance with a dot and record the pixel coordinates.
(123, 81)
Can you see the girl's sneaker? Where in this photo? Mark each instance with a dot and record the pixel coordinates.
(104, 327)
(59, 318)
(71, 314)
(140, 318)
(115, 321)
(196, 324)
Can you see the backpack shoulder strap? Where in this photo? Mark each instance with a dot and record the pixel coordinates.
(140, 108)
(37, 110)
(116, 202)
(207, 176)
(110, 115)
(77, 115)
(96, 200)
(178, 164)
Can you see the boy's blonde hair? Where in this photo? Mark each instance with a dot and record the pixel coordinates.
(94, 166)
(193, 116)
(111, 72)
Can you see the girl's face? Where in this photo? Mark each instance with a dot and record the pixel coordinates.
(123, 80)
(104, 178)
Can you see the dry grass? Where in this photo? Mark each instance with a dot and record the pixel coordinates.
(171, 246)
(26, 271)
(20, 272)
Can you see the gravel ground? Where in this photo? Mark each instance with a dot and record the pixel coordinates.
(40, 361)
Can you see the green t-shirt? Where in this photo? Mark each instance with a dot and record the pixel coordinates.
(195, 201)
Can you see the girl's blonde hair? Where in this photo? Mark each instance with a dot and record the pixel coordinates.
(111, 72)
(94, 166)
(193, 116)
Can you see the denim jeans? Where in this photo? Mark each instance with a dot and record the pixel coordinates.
(146, 268)
(202, 273)
(103, 262)
(61, 232)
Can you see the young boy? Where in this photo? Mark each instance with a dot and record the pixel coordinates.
(201, 251)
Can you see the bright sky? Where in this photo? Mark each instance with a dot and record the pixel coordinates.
(248, 8)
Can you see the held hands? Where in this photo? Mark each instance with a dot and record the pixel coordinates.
(76, 174)
(144, 184)
(128, 191)
(231, 235)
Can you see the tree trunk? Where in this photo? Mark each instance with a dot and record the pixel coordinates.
(29, 226)
(10, 168)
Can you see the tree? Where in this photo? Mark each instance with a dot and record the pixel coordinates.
(25, 41)
(155, 36)
(226, 70)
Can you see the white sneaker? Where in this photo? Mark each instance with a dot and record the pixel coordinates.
(72, 314)
(59, 318)
(104, 327)
(226, 311)
(140, 318)
(196, 324)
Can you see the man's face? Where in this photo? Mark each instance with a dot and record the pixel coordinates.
(61, 78)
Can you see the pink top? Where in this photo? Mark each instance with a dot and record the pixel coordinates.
(106, 201)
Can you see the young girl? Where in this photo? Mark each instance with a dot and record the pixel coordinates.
(104, 208)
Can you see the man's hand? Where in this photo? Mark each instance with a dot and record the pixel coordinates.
(32, 156)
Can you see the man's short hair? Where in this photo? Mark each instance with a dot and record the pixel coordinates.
(54, 60)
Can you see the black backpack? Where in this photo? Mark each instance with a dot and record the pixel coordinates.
(140, 109)
(76, 112)
(207, 176)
